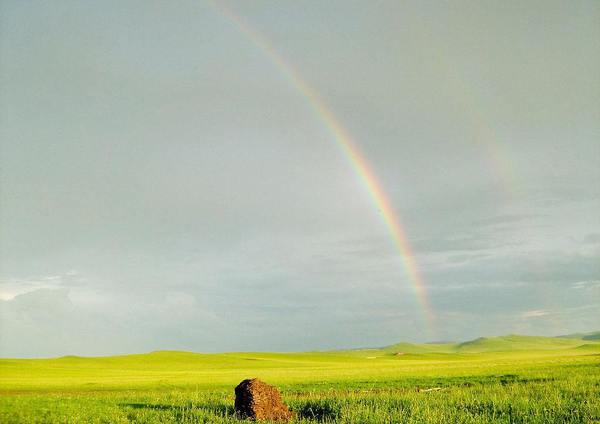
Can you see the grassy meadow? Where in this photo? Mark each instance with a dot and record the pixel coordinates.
(507, 379)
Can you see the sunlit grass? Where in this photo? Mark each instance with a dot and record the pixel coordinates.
(560, 384)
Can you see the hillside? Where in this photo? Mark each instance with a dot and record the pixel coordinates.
(497, 344)
(516, 342)
(582, 336)
(420, 348)
(366, 386)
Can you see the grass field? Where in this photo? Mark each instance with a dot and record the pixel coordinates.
(506, 379)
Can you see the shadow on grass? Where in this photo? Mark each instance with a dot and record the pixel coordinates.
(318, 411)
(312, 410)
(212, 408)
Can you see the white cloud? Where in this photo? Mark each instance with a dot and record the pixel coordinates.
(593, 284)
(12, 287)
(536, 313)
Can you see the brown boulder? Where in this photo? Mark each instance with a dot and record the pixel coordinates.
(257, 400)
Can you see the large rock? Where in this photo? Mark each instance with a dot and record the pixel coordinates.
(257, 400)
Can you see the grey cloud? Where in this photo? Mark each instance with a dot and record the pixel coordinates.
(549, 196)
(505, 219)
(47, 322)
(467, 242)
(593, 238)
(463, 258)
(550, 267)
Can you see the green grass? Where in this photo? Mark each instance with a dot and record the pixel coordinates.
(501, 379)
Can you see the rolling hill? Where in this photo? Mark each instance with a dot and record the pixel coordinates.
(582, 336)
(497, 344)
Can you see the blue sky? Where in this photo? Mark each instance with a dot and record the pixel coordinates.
(164, 186)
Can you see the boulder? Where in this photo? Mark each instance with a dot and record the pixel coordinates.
(256, 400)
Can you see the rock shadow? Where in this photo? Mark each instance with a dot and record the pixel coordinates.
(318, 411)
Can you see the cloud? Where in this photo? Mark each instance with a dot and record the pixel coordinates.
(593, 238)
(541, 266)
(465, 258)
(590, 284)
(50, 322)
(9, 288)
(551, 196)
(466, 242)
(505, 219)
(536, 313)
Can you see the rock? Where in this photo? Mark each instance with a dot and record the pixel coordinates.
(257, 400)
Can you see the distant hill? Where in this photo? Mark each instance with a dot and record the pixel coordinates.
(421, 348)
(592, 336)
(498, 344)
(582, 336)
(588, 342)
(516, 342)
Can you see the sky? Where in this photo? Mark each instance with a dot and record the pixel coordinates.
(166, 182)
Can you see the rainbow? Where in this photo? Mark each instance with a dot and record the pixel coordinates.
(351, 151)
(463, 94)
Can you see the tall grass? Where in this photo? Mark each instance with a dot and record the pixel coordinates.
(562, 386)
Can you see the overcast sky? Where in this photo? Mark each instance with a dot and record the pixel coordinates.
(164, 185)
